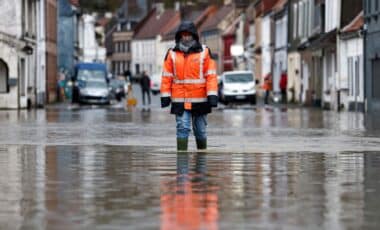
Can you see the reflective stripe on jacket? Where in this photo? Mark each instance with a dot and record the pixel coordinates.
(189, 78)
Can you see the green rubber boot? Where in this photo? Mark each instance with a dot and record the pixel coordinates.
(182, 144)
(201, 143)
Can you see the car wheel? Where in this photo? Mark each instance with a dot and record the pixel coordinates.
(75, 97)
(253, 102)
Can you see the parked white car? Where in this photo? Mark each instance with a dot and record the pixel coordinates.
(237, 86)
(155, 83)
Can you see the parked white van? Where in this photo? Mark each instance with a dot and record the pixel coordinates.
(237, 86)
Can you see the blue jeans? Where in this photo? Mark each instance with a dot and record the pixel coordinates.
(184, 125)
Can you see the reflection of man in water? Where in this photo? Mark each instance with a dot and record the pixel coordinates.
(191, 202)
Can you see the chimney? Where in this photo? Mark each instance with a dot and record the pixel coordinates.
(160, 8)
(177, 6)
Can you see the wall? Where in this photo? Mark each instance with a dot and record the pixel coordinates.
(214, 42)
(294, 79)
(331, 15)
(41, 53)
(66, 34)
(351, 83)
(10, 22)
(161, 50)
(51, 51)
(144, 54)
(10, 57)
(280, 56)
(372, 56)
(10, 30)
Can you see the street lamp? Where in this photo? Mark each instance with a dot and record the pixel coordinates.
(27, 49)
(237, 50)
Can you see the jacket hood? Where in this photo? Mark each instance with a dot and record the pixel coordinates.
(186, 26)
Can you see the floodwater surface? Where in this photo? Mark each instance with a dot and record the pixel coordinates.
(108, 187)
(96, 168)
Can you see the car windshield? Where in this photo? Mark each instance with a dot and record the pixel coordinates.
(91, 75)
(117, 83)
(96, 84)
(238, 78)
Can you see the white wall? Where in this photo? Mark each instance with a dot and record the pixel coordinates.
(10, 53)
(281, 32)
(329, 77)
(294, 80)
(10, 22)
(161, 50)
(331, 15)
(352, 50)
(266, 48)
(144, 54)
(10, 57)
(41, 53)
(87, 40)
(280, 56)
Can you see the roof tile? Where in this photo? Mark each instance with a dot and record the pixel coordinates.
(157, 24)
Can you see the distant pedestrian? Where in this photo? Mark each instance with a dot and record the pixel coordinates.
(127, 75)
(145, 87)
(268, 85)
(283, 87)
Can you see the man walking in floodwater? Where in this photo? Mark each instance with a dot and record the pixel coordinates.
(189, 83)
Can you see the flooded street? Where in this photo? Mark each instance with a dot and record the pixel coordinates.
(70, 167)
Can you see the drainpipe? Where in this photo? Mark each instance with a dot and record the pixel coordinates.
(338, 87)
(364, 35)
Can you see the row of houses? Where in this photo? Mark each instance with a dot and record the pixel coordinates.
(321, 46)
(327, 48)
(140, 43)
(41, 40)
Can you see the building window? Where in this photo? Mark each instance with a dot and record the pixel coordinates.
(137, 68)
(22, 77)
(128, 46)
(369, 6)
(317, 17)
(353, 75)
(29, 18)
(376, 78)
(114, 67)
(295, 20)
(120, 67)
(4, 87)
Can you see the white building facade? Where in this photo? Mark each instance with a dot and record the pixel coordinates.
(330, 69)
(91, 51)
(280, 64)
(41, 54)
(267, 49)
(144, 56)
(18, 54)
(351, 79)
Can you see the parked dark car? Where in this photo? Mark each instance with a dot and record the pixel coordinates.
(118, 88)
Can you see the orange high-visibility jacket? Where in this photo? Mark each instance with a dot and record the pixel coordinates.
(189, 78)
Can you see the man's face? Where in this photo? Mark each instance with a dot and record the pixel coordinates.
(186, 36)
